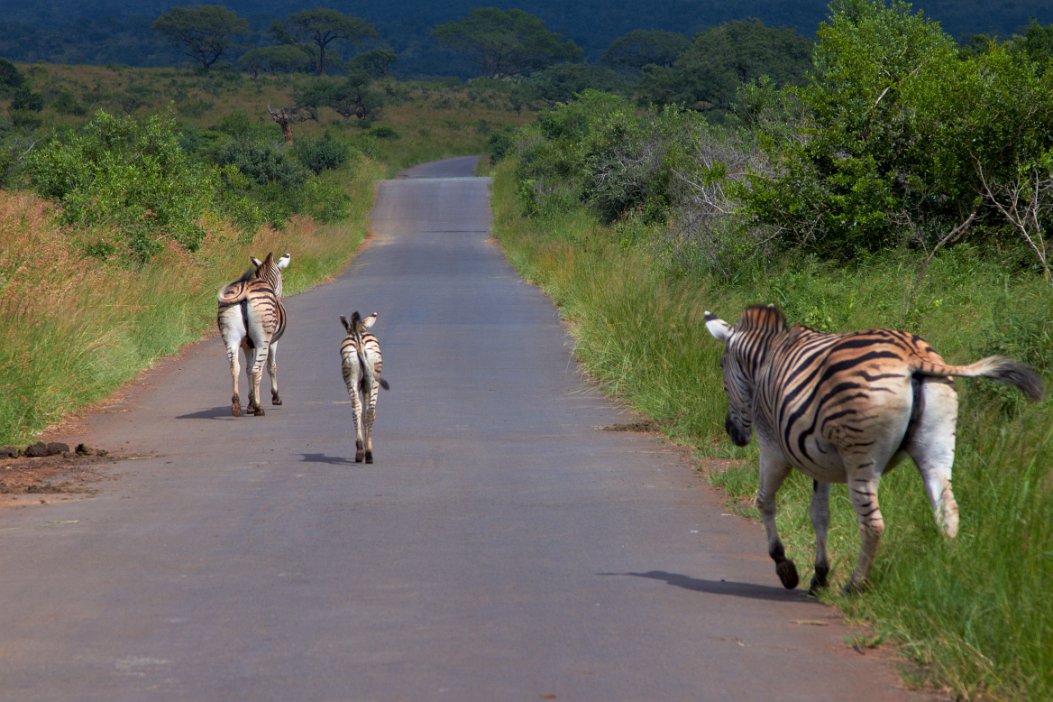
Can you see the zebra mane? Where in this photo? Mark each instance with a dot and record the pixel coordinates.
(761, 317)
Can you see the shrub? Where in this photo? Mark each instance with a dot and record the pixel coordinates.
(129, 178)
(322, 154)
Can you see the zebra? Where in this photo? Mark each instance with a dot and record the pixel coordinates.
(362, 364)
(251, 317)
(845, 408)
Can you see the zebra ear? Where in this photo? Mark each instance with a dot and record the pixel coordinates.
(347, 324)
(720, 329)
(283, 262)
(256, 263)
(369, 321)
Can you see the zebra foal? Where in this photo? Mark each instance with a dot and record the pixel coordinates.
(251, 317)
(362, 363)
(845, 408)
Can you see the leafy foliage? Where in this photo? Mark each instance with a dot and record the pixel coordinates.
(707, 75)
(908, 141)
(127, 180)
(645, 47)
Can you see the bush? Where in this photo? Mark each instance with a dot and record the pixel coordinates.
(129, 179)
(322, 154)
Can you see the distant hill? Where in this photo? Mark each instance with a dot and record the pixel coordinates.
(116, 31)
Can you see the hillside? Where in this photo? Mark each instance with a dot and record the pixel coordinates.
(114, 31)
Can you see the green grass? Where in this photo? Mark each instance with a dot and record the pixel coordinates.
(973, 613)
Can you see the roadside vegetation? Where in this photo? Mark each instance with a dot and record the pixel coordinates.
(907, 184)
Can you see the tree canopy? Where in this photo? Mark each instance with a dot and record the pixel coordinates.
(316, 29)
(707, 75)
(643, 47)
(203, 32)
(507, 42)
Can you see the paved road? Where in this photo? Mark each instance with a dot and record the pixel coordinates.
(502, 547)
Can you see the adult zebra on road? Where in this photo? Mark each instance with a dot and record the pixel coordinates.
(362, 364)
(251, 317)
(845, 408)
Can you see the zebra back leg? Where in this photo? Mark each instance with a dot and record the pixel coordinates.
(272, 371)
(256, 407)
(820, 513)
(773, 471)
(932, 447)
(353, 379)
(235, 371)
(371, 387)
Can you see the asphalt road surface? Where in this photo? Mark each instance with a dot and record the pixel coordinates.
(504, 546)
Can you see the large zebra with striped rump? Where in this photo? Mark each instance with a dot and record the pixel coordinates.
(362, 364)
(845, 408)
(251, 317)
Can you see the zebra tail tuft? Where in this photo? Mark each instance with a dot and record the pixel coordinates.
(384, 384)
(1020, 375)
(1004, 370)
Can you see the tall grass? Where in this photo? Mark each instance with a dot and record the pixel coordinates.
(974, 612)
(72, 330)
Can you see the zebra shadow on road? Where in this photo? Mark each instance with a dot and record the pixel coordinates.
(322, 458)
(722, 587)
(211, 413)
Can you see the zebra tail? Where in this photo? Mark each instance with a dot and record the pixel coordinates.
(998, 368)
(233, 293)
(384, 384)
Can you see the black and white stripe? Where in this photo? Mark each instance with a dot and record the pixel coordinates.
(844, 408)
(362, 364)
(251, 317)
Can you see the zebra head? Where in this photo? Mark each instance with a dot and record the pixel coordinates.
(745, 346)
(357, 325)
(270, 270)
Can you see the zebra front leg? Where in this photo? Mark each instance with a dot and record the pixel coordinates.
(820, 513)
(272, 371)
(772, 475)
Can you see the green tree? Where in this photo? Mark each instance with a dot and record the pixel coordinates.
(203, 32)
(316, 29)
(507, 42)
(645, 47)
(911, 141)
(707, 75)
(10, 78)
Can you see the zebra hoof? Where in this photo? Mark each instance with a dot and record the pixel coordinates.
(787, 573)
(258, 411)
(235, 409)
(855, 588)
(275, 400)
(359, 455)
(818, 581)
(369, 456)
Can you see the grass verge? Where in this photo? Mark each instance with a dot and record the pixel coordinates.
(972, 613)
